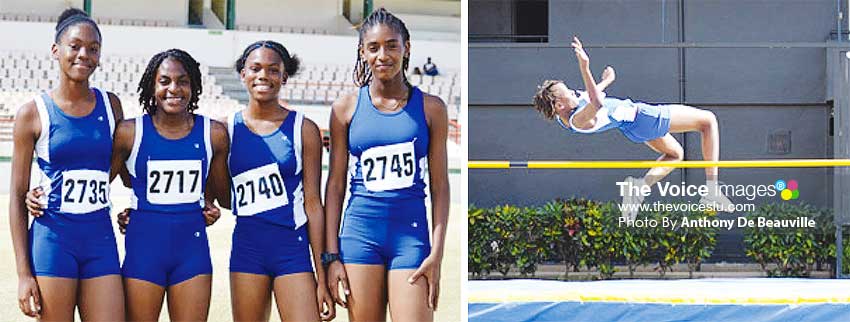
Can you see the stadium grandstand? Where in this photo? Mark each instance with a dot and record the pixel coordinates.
(320, 32)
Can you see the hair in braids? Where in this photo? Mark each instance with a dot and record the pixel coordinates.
(290, 62)
(70, 17)
(362, 73)
(146, 85)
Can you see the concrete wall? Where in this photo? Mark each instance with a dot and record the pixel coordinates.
(39, 7)
(314, 13)
(168, 10)
(218, 48)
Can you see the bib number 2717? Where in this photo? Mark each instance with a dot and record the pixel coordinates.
(174, 181)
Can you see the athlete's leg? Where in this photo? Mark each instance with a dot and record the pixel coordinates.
(250, 296)
(408, 302)
(102, 298)
(368, 300)
(58, 298)
(143, 299)
(685, 118)
(190, 300)
(295, 296)
(670, 150)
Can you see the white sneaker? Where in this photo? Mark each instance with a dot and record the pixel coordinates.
(631, 203)
(718, 202)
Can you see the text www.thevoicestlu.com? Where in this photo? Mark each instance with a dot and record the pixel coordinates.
(685, 207)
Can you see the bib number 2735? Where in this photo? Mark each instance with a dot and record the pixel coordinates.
(84, 191)
(174, 181)
(388, 167)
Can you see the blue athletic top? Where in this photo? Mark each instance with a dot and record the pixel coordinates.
(389, 150)
(614, 113)
(267, 171)
(75, 183)
(169, 176)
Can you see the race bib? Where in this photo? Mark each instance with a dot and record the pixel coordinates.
(625, 112)
(258, 190)
(84, 191)
(173, 182)
(388, 167)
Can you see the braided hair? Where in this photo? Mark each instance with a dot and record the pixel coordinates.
(70, 17)
(362, 73)
(290, 62)
(146, 85)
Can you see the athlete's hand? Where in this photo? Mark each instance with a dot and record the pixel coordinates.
(29, 298)
(34, 205)
(581, 55)
(336, 275)
(327, 308)
(430, 269)
(123, 220)
(211, 213)
(608, 73)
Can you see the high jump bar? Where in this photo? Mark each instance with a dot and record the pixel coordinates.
(785, 163)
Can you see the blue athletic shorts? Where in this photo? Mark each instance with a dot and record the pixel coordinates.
(393, 233)
(263, 248)
(62, 247)
(166, 248)
(651, 122)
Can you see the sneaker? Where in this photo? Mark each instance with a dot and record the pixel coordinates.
(719, 202)
(631, 203)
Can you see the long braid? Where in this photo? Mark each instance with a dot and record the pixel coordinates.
(362, 74)
(146, 85)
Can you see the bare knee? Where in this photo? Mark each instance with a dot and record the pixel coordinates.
(676, 154)
(708, 123)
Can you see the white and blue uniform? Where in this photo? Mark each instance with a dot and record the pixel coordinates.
(639, 122)
(166, 239)
(74, 238)
(270, 237)
(385, 221)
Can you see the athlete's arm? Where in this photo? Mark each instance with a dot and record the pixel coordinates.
(312, 180)
(608, 77)
(438, 128)
(25, 133)
(118, 113)
(586, 117)
(219, 173)
(122, 146)
(341, 113)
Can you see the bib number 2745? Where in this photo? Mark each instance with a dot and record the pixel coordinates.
(388, 167)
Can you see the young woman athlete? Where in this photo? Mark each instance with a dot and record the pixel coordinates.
(276, 169)
(69, 258)
(593, 112)
(176, 162)
(396, 135)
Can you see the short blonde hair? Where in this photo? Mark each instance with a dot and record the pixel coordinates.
(544, 99)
